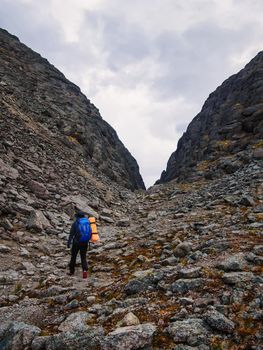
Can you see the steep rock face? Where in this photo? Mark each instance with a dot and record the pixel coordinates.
(226, 133)
(31, 85)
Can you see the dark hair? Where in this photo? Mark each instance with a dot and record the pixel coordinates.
(80, 214)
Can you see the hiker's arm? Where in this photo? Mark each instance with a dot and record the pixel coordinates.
(71, 235)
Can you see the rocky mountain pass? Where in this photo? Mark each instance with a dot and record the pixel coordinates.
(178, 266)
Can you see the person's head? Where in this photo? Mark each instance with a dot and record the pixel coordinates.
(79, 214)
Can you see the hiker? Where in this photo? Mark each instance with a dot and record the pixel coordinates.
(80, 234)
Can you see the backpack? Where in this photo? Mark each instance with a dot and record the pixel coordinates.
(83, 229)
(94, 236)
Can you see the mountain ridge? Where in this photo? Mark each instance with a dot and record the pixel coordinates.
(42, 90)
(230, 122)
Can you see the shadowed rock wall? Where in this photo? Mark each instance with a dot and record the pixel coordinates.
(42, 92)
(227, 132)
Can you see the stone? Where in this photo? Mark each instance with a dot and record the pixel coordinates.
(4, 249)
(78, 340)
(232, 263)
(39, 189)
(37, 221)
(7, 225)
(106, 219)
(22, 208)
(185, 285)
(106, 212)
(8, 171)
(237, 278)
(135, 286)
(72, 305)
(219, 322)
(81, 203)
(125, 222)
(191, 331)
(17, 335)
(130, 338)
(183, 249)
(75, 322)
(190, 273)
(247, 201)
(24, 252)
(129, 320)
(258, 153)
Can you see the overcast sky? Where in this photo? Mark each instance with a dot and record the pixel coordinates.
(148, 65)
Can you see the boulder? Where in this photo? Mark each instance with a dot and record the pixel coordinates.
(81, 203)
(39, 189)
(125, 222)
(4, 249)
(190, 273)
(37, 221)
(135, 286)
(75, 322)
(247, 200)
(183, 249)
(130, 338)
(219, 322)
(191, 331)
(8, 171)
(237, 278)
(185, 285)
(17, 335)
(258, 153)
(232, 263)
(129, 320)
(77, 340)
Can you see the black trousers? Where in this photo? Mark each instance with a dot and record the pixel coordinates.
(82, 248)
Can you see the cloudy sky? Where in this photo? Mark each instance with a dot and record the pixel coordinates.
(148, 65)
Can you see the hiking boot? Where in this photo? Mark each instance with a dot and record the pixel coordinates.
(85, 274)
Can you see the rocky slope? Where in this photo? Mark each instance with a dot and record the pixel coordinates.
(224, 135)
(178, 267)
(29, 85)
(181, 271)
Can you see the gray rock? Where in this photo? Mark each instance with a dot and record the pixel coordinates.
(232, 263)
(72, 305)
(37, 221)
(7, 225)
(22, 208)
(8, 171)
(190, 273)
(191, 331)
(129, 320)
(17, 335)
(81, 203)
(106, 212)
(125, 222)
(182, 249)
(237, 278)
(84, 340)
(75, 322)
(130, 338)
(106, 219)
(38, 189)
(258, 153)
(185, 285)
(219, 322)
(4, 249)
(247, 201)
(135, 286)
